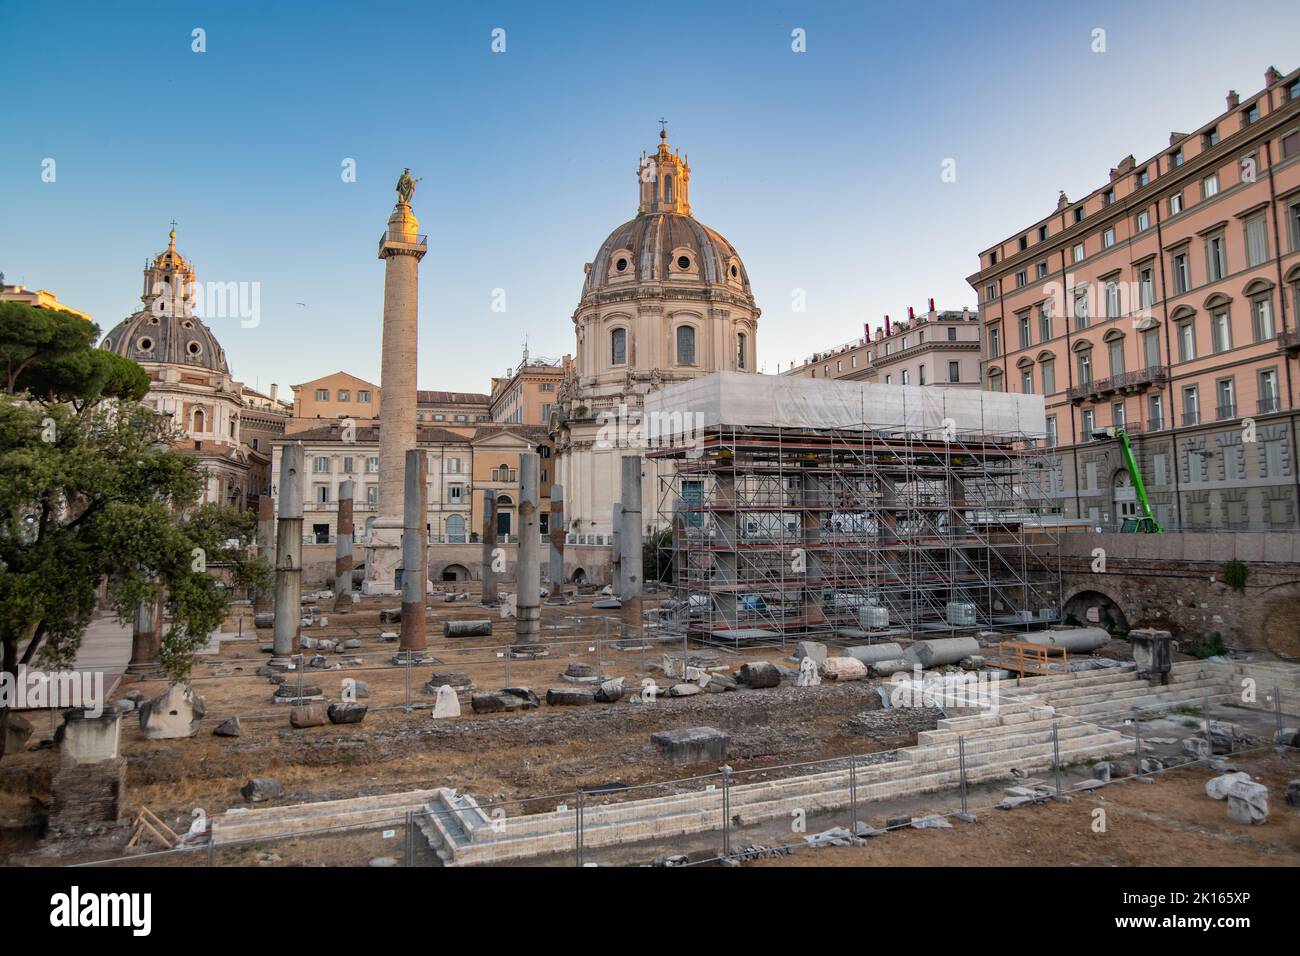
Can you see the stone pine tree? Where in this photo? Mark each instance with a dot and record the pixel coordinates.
(91, 493)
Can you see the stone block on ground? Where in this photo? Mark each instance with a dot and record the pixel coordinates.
(174, 713)
(1293, 793)
(18, 733)
(447, 704)
(349, 712)
(86, 799)
(570, 696)
(1247, 802)
(692, 745)
(390, 615)
(315, 714)
(456, 680)
(1197, 747)
(844, 669)
(227, 728)
(814, 649)
(261, 789)
(475, 628)
(609, 691)
(1218, 787)
(759, 674)
(684, 690)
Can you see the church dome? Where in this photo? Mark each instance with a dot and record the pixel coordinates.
(166, 331)
(666, 247)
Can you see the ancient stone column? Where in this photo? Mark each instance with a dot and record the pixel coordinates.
(615, 556)
(288, 557)
(401, 248)
(486, 574)
(528, 572)
(343, 551)
(557, 533)
(629, 540)
(264, 598)
(146, 640)
(415, 560)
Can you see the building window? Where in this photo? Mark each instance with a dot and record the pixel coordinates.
(1022, 279)
(363, 396)
(685, 345)
(1118, 418)
(1216, 262)
(740, 351)
(1291, 144)
(1212, 138)
(1089, 420)
(905, 377)
(1175, 204)
(995, 381)
(1042, 270)
(952, 337)
(1077, 254)
(323, 497)
(1144, 220)
(1220, 331)
(1155, 412)
(1027, 380)
(1081, 309)
(1256, 241)
(1268, 393)
(1226, 394)
(1078, 214)
(1042, 233)
(1108, 238)
(990, 292)
(1150, 348)
(1112, 300)
(1191, 406)
(1261, 318)
(1186, 341)
(1182, 274)
(455, 529)
(1085, 368)
(1116, 354)
(1146, 288)
(1210, 186)
(1108, 197)
(618, 346)
(320, 465)
(1044, 323)
(920, 375)
(1024, 331)
(1143, 178)
(1051, 431)
(1250, 114)
(347, 466)
(372, 466)
(322, 394)
(1177, 157)
(1293, 221)
(954, 371)
(372, 494)
(995, 342)
(345, 395)
(1049, 377)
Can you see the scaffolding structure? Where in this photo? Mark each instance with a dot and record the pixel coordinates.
(856, 533)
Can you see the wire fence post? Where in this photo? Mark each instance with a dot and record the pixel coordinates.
(410, 839)
(853, 793)
(1137, 741)
(961, 764)
(1277, 715)
(577, 827)
(726, 812)
(410, 663)
(1205, 714)
(1056, 754)
(212, 852)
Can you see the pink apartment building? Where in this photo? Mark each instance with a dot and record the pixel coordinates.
(1165, 303)
(932, 348)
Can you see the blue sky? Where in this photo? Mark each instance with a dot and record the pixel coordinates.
(822, 168)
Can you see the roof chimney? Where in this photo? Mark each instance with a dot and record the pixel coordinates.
(1233, 100)
(275, 391)
(1271, 76)
(886, 325)
(910, 314)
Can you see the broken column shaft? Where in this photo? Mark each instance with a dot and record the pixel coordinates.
(487, 571)
(557, 533)
(415, 567)
(146, 640)
(343, 551)
(615, 558)
(528, 570)
(288, 557)
(629, 541)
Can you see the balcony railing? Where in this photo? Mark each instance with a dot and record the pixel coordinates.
(1225, 412)
(1122, 381)
(1155, 424)
(1270, 403)
(1191, 418)
(1289, 340)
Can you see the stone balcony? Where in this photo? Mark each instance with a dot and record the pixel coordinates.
(1124, 383)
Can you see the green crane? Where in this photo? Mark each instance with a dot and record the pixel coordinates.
(1146, 522)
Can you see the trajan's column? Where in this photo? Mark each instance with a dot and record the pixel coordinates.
(401, 247)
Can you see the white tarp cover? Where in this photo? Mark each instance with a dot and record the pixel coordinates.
(736, 398)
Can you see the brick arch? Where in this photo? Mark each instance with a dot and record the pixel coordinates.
(1276, 620)
(1117, 614)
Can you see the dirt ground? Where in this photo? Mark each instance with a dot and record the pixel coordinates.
(1169, 822)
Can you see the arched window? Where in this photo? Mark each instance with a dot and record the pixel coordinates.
(685, 345)
(668, 189)
(200, 422)
(740, 350)
(618, 347)
(456, 529)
